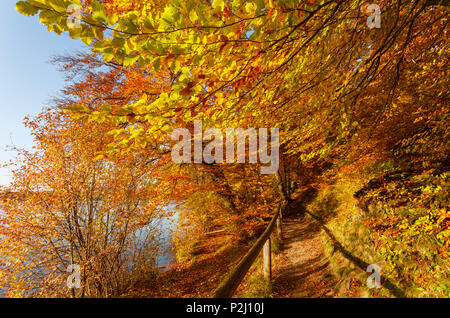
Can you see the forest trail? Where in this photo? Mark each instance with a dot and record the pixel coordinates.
(301, 268)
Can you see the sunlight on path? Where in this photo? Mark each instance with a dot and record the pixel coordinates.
(301, 268)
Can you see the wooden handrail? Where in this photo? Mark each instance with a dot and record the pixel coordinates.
(231, 282)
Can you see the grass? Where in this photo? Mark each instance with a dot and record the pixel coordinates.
(395, 235)
(254, 284)
(258, 287)
(337, 207)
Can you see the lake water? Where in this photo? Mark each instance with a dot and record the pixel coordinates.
(168, 257)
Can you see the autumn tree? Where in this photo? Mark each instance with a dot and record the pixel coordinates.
(71, 208)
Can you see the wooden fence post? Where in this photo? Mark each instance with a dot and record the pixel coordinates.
(267, 260)
(233, 278)
(279, 228)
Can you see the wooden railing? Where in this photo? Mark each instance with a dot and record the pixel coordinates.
(231, 282)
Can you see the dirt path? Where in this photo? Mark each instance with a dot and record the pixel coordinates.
(301, 268)
(214, 256)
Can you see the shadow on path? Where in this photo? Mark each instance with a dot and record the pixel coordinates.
(301, 268)
(397, 292)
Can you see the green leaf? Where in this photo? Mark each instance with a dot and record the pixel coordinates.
(118, 43)
(170, 14)
(99, 46)
(250, 7)
(127, 25)
(157, 64)
(130, 60)
(48, 17)
(112, 19)
(57, 5)
(148, 25)
(218, 4)
(99, 157)
(26, 8)
(236, 4)
(79, 108)
(39, 3)
(74, 33)
(86, 35)
(98, 11)
(193, 16)
(260, 5)
(106, 107)
(98, 33)
(108, 54)
(58, 29)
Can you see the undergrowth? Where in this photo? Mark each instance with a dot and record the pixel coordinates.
(399, 222)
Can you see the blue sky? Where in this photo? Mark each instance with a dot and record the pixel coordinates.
(27, 80)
